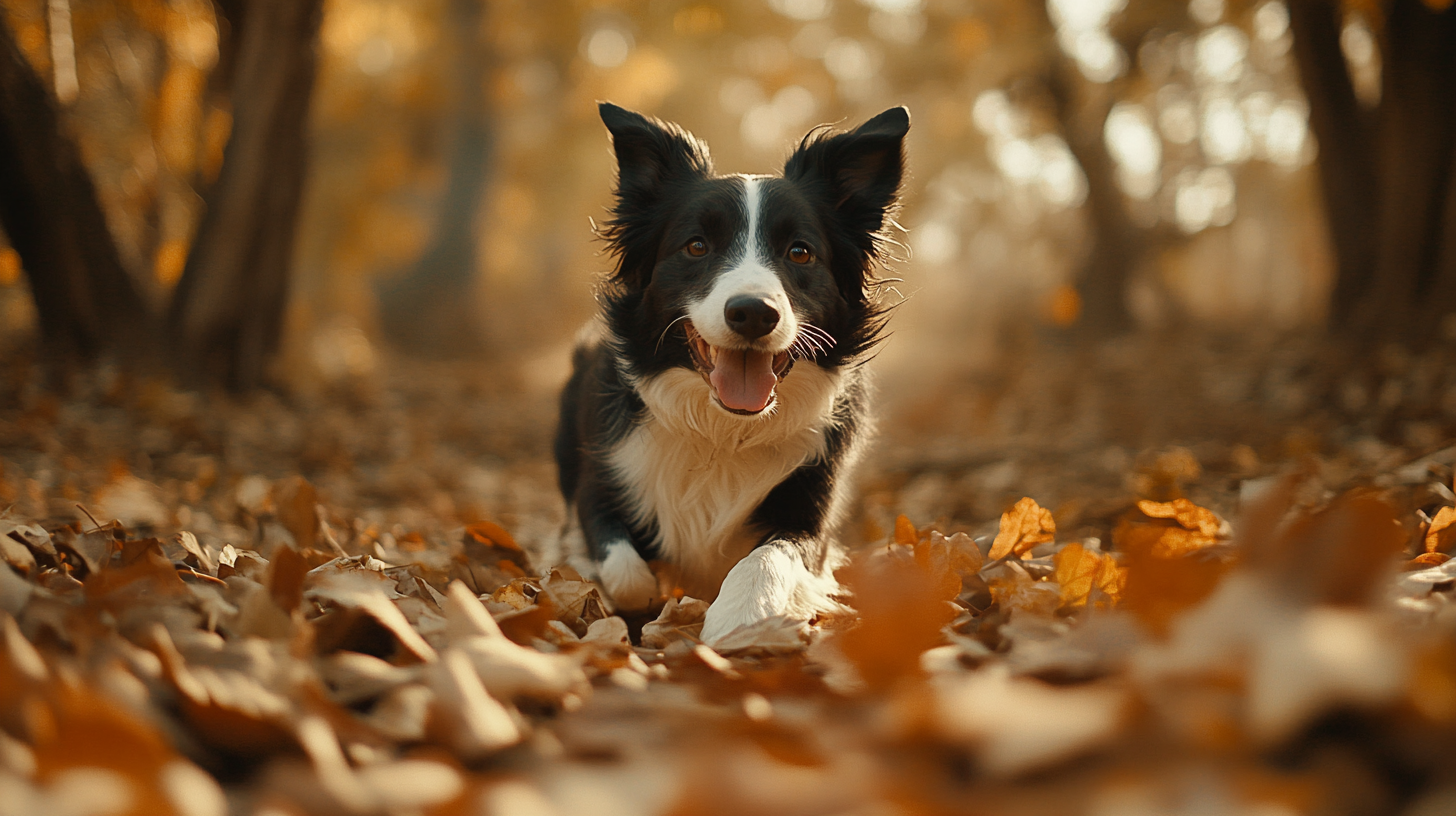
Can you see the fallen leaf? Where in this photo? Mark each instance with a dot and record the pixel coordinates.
(1427, 559)
(474, 723)
(680, 619)
(1024, 526)
(1077, 569)
(1017, 725)
(296, 503)
(607, 632)
(507, 669)
(359, 591)
(1441, 535)
(905, 533)
(901, 608)
(1171, 528)
(1014, 590)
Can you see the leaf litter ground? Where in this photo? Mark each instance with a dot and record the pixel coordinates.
(1151, 578)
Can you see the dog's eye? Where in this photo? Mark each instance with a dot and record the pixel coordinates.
(697, 247)
(800, 254)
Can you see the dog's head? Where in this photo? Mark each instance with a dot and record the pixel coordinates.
(740, 276)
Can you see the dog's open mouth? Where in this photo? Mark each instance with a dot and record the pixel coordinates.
(742, 380)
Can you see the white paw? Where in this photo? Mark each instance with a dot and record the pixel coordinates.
(760, 586)
(628, 580)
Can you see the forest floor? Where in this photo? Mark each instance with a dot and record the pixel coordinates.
(1237, 600)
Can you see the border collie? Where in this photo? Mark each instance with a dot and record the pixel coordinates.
(716, 406)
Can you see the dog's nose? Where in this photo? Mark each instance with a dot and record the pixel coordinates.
(751, 316)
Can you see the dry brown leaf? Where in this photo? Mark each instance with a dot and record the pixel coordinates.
(607, 632)
(15, 553)
(680, 619)
(285, 577)
(1024, 526)
(1013, 589)
(473, 722)
(507, 669)
(205, 561)
(1017, 724)
(296, 504)
(364, 591)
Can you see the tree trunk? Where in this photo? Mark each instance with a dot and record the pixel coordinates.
(1115, 248)
(1346, 161)
(226, 315)
(86, 302)
(432, 310)
(1417, 124)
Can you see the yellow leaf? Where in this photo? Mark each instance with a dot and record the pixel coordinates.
(1077, 569)
(1111, 578)
(1024, 526)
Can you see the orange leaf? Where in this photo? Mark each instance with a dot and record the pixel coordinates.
(1186, 513)
(1441, 534)
(1160, 585)
(901, 611)
(490, 533)
(947, 561)
(1425, 560)
(1024, 526)
(1111, 579)
(905, 532)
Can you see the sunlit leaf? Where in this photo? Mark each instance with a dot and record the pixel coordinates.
(1023, 527)
(1441, 535)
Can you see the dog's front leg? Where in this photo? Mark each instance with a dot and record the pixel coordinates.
(620, 568)
(764, 584)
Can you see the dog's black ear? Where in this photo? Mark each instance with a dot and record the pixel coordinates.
(857, 173)
(651, 152)
(651, 155)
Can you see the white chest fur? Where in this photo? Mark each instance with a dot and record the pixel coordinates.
(695, 472)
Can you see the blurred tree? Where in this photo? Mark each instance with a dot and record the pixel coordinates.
(1389, 173)
(85, 300)
(225, 315)
(432, 310)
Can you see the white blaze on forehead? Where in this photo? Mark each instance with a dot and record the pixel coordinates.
(749, 272)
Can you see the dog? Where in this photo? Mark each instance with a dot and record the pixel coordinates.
(719, 400)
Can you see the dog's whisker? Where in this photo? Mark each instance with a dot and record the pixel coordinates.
(665, 331)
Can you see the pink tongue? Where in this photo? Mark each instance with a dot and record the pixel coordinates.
(744, 379)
